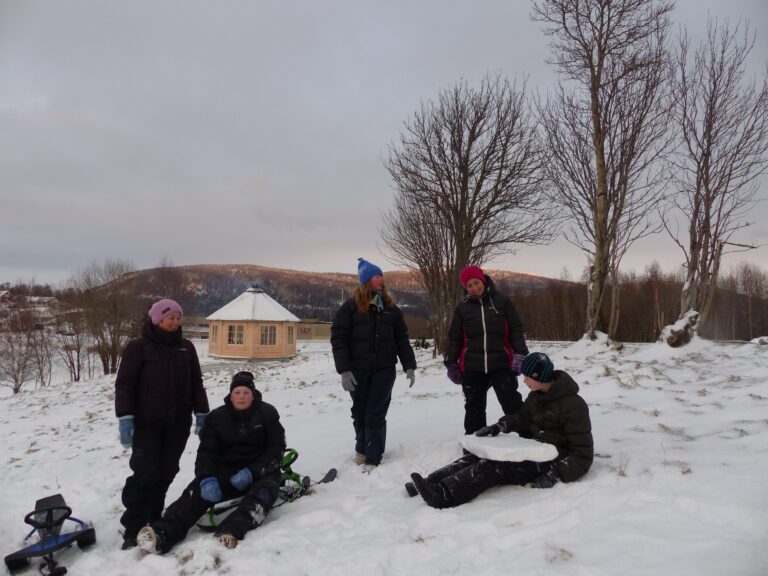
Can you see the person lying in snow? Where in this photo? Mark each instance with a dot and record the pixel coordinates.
(553, 413)
(241, 448)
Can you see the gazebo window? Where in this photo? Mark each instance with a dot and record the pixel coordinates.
(268, 335)
(235, 335)
(290, 334)
(214, 333)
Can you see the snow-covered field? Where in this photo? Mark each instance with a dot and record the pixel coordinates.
(679, 485)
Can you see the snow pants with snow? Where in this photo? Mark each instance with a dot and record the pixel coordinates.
(475, 386)
(190, 506)
(469, 476)
(155, 456)
(370, 403)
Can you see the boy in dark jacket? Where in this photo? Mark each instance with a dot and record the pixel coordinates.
(553, 413)
(241, 449)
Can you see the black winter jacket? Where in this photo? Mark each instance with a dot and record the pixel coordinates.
(159, 379)
(484, 333)
(232, 440)
(559, 417)
(372, 341)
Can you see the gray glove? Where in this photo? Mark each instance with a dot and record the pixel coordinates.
(348, 381)
(411, 375)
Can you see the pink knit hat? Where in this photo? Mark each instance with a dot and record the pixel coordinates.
(162, 309)
(471, 272)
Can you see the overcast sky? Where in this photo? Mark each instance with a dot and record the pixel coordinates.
(249, 132)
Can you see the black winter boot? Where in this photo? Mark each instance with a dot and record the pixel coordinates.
(433, 494)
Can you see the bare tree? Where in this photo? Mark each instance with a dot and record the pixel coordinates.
(723, 128)
(469, 185)
(606, 129)
(110, 313)
(752, 283)
(16, 363)
(167, 280)
(71, 341)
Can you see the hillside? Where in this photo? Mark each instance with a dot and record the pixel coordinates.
(203, 288)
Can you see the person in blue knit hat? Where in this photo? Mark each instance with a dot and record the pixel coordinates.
(553, 413)
(368, 336)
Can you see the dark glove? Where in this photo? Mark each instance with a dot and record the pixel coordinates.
(411, 375)
(210, 490)
(199, 423)
(348, 381)
(125, 425)
(516, 363)
(492, 430)
(454, 373)
(549, 478)
(242, 479)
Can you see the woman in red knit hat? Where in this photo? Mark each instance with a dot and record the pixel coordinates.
(486, 347)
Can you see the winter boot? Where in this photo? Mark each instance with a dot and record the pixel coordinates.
(129, 543)
(433, 494)
(368, 468)
(228, 541)
(151, 541)
(359, 458)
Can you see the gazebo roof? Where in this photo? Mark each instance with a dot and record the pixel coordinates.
(254, 304)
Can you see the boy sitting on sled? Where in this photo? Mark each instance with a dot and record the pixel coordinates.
(553, 413)
(241, 449)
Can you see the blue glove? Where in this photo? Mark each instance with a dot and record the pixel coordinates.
(210, 489)
(242, 479)
(125, 425)
(199, 423)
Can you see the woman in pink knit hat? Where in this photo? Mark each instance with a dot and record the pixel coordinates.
(159, 386)
(486, 347)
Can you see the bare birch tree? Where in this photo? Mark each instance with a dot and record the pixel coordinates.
(722, 119)
(16, 357)
(605, 128)
(469, 185)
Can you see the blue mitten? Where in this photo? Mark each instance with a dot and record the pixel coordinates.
(125, 425)
(210, 489)
(242, 479)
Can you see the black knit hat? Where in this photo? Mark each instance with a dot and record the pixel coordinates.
(244, 378)
(538, 366)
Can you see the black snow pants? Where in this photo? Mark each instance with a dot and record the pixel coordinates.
(155, 456)
(475, 386)
(370, 403)
(469, 476)
(190, 506)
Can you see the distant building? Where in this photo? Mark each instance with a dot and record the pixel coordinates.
(314, 330)
(252, 326)
(195, 327)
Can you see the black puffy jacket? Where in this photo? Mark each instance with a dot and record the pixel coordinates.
(232, 440)
(159, 379)
(559, 417)
(372, 341)
(484, 333)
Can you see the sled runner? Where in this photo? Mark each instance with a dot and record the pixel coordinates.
(47, 519)
(292, 487)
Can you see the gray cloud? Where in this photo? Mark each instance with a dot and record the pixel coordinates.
(244, 131)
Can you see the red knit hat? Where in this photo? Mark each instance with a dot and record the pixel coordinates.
(471, 272)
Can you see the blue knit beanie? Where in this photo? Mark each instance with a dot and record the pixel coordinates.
(366, 270)
(538, 366)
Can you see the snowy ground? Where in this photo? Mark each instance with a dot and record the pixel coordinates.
(678, 486)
